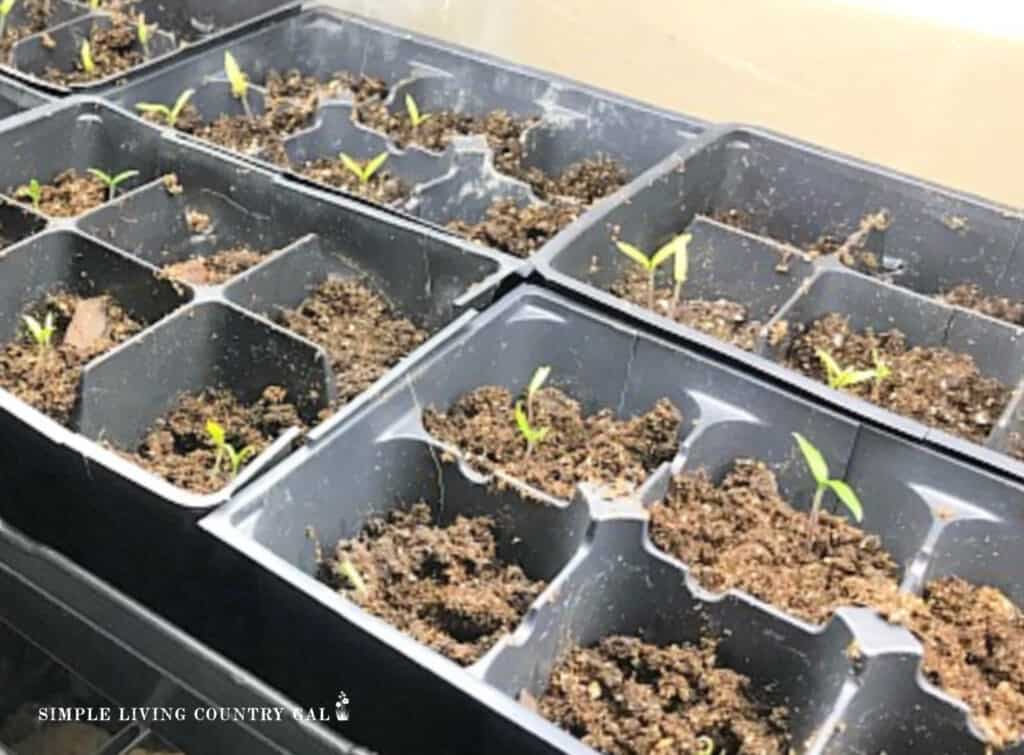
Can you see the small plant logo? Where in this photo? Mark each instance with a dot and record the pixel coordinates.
(341, 707)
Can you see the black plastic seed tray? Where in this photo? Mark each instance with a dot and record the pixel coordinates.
(38, 48)
(605, 576)
(793, 201)
(196, 336)
(67, 640)
(573, 122)
(16, 98)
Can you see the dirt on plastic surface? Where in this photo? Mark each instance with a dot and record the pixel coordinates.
(519, 231)
(627, 697)
(68, 195)
(616, 455)
(216, 268)
(936, 386)
(179, 448)
(970, 296)
(48, 378)
(115, 49)
(362, 333)
(443, 585)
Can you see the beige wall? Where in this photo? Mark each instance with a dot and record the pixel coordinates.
(930, 87)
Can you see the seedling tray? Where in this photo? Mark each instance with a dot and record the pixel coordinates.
(181, 27)
(67, 639)
(937, 516)
(792, 197)
(198, 336)
(573, 122)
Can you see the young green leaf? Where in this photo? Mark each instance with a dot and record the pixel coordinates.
(238, 458)
(236, 76)
(112, 182)
(415, 117)
(94, 4)
(664, 253)
(144, 33)
(363, 172)
(849, 499)
(88, 64)
(216, 432)
(349, 572)
(6, 7)
(169, 114)
(532, 436)
(634, 254)
(41, 333)
(537, 382)
(815, 461)
(34, 191)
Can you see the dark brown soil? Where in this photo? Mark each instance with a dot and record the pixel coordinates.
(70, 194)
(936, 386)
(444, 586)
(360, 331)
(502, 130)
(518, 230)
(850, 250)
(215, 269)
(586, 180)
(179, 449)
(973, 638)
(383, 187)
(599, 449)
(627, 697)
(47, 379)
(114, 50)
(291, 104)
(723, 319)
(970, 296)
(742, 534)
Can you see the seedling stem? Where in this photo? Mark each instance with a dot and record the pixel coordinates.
(819, 470)
(88, 64)
(533, 436)
(536, 383)
(112, 182)
(364, 171)
(349, 571)
(841, 377)
(681, 269)
(145, 33)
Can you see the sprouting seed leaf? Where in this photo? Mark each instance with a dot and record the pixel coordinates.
(539, 378)
(144, 31)
(104, 177)
(853, 377)
(845, 494)
(522, 421)
(216, 432)
(153, 107)
(815, 461)
(831, 366)
(373, 166)
(666, 251)
(635, 254)
(6, 7)
(88, 64)
(349, 571)
(236, 77)
(352, 165)
(415, 116)
(682, 262)
(34, 191)
(94, 4)
(183, 100)
(120, 178)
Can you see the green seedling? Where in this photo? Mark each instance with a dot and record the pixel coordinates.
(348, 571)
(705, 746)
(650, 263)
(415, 116)
(33, 191)
(169, 114)
(41, 333)
(533, 436)
(680, 269)
(5, 10)
(144, 32)
(536, 383)
(225, 451)
(839, 377)
(88, 64)
(94, 4)
(364, 171)
(112, 182)
(239, 82)
(819, 470)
